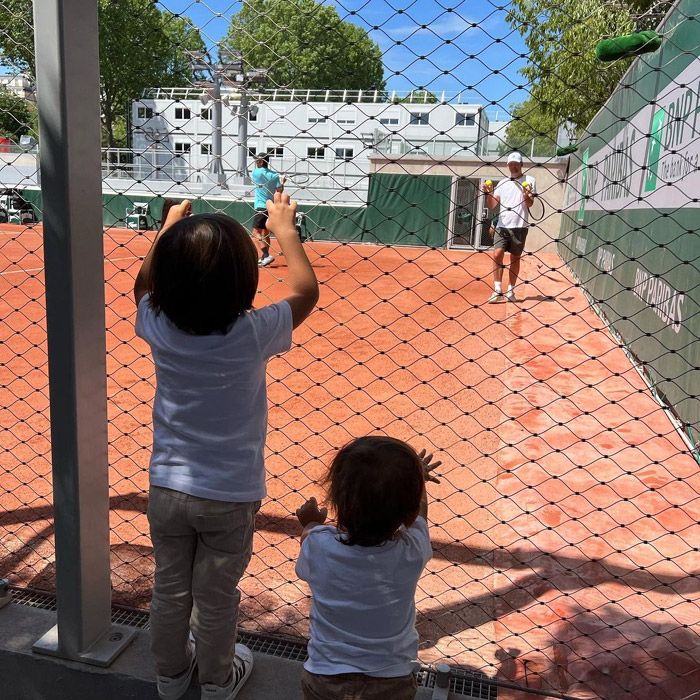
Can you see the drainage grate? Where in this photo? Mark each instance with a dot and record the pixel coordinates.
(33, 599)
(130, 617)
(470, 685)
(285, 648)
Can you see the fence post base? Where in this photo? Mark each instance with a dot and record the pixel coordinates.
(101, 653)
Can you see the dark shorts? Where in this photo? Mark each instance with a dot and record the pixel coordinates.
(357, 686)
(260, 219)
(512, 240)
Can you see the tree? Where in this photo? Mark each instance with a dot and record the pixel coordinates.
(126, 71)
(16, 116)
(305, 44)
(567, 81)
(530, 131)
(418, 96)
(17, 36)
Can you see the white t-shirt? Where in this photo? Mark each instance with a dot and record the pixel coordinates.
(514, 213)
(363, 612)
(210, 408)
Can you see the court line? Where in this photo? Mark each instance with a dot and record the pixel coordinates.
(40, 269)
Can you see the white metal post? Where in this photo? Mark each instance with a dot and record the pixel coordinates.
(68, 79)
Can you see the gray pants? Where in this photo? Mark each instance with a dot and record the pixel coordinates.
(202, 547)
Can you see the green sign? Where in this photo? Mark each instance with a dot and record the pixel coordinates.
(654, 150)
(630, 230)
(584, 186)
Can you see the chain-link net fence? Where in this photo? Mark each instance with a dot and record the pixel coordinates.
(565, 412)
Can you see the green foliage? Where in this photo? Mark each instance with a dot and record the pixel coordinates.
(126, 72)
(17, 35)
(305, 44)
(16, 116)
(530, 131)
(140, 47)
(419, 96)
(567, 81)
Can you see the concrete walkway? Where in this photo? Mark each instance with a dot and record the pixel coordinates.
(28, 676)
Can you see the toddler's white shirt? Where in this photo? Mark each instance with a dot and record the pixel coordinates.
(363, 613)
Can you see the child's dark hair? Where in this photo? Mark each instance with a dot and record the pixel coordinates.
(204, 273)
(375, 485)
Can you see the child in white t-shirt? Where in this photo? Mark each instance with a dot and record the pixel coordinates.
(363, 573)
(195, 293)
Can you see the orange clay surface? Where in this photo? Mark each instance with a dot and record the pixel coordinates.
(565, 528)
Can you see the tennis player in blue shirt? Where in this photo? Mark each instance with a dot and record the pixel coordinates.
(267, 182)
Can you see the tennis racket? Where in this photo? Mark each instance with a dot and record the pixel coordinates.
(536, 212)
(298, 173)
(537, 209)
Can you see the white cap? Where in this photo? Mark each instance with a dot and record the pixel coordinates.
(514, 157)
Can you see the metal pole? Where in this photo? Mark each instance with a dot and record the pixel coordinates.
(217, 164)
(243, 133)
(67, 61)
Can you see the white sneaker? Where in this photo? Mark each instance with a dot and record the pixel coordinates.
(264, 262)
(174, 688)
(496, 296)
(242, 667)
(510, 295)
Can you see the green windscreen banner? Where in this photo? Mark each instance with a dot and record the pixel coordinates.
(631, 226)
(401, 209)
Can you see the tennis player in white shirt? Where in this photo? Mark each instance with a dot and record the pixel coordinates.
(515, 196)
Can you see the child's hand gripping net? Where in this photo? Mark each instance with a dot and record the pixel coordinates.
(311, 513)
(429, 466)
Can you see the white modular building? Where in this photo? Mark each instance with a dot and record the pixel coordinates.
(321, 138)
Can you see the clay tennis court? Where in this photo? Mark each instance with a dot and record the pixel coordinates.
(566, 524)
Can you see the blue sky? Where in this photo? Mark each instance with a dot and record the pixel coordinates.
(423, 43)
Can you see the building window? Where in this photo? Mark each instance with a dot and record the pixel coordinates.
(275, 151)
(316, 152)
(422, 118)
(182, 148)
(389, 121)
(345, 118)
(205, 113)
(144, 112)
(206, 149)
(253, 114)
(182, 113)
(344, 153)
(252, 152)
(462, 119)
(315, 118)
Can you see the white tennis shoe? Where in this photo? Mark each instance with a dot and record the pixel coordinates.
(242, 667)
(174, 688)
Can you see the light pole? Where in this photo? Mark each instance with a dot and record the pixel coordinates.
(216, 71)
(244, 80)
(229, 68)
